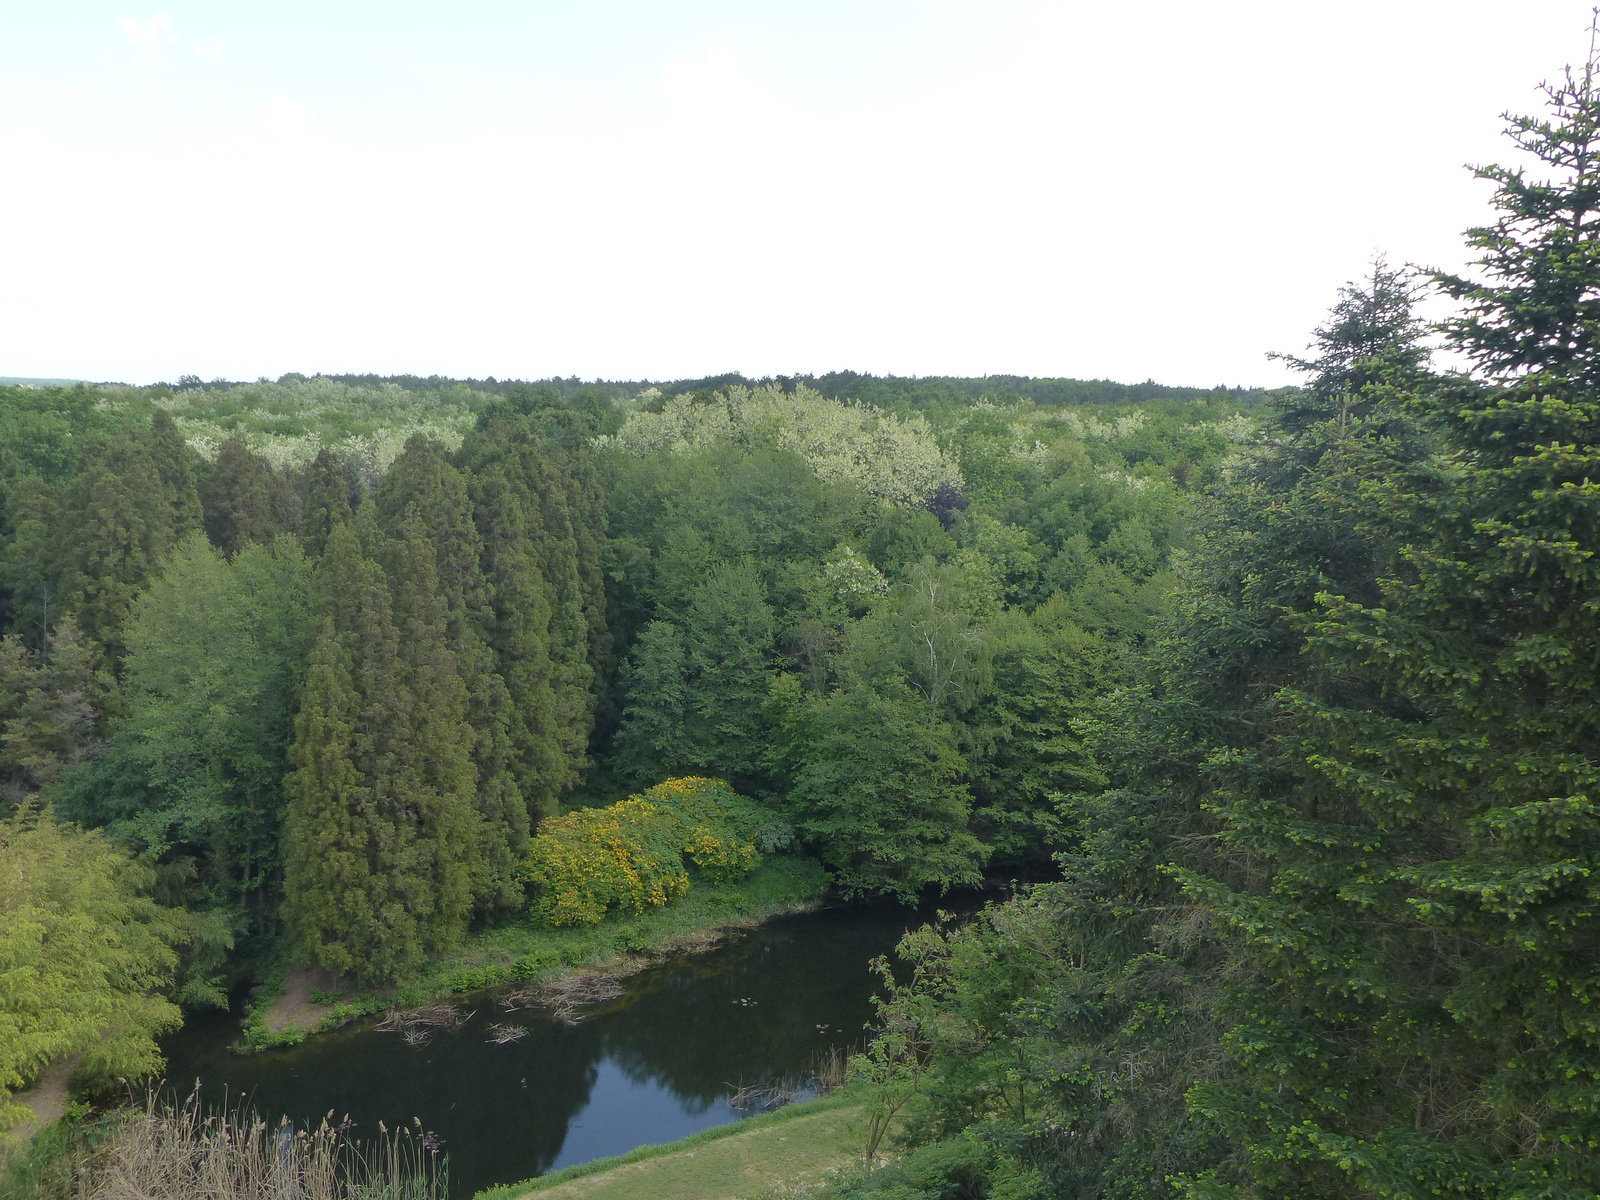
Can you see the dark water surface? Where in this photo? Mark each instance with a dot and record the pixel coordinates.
(652, 1066)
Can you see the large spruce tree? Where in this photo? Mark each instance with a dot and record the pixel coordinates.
(1409, 818)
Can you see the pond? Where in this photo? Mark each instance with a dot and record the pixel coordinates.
(652, 1066)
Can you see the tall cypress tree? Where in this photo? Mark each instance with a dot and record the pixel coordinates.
(179, 468)
(327, 867)
(430, 779)
(543, 607)
(379, 835)
(327, 501)
(117, 527)
(85, 548)
(423, 487)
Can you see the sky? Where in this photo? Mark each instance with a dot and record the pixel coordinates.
(662, 189)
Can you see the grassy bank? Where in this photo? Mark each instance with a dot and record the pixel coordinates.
(288, 1009)
(798, 1144)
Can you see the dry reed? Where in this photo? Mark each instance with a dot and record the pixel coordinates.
(429, 1017)
(185, 1153)
(763, 1097)
(830, 1070)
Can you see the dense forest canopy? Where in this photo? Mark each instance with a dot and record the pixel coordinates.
(1280, 705)
(319, 656)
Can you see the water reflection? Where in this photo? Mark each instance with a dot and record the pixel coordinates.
(649, 1067)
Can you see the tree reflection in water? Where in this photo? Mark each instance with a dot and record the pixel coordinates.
(651, 1066)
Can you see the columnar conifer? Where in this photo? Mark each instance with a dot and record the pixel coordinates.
(380, 825)
(423, 487)
(327, 501)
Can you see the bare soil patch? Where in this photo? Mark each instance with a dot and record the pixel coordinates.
(293, 1006)
(47, 1098)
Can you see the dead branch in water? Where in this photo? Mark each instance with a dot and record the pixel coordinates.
(763, 1097)
(425, 1019)
(568, 995)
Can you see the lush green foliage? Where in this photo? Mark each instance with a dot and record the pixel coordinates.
(637, 854)
(908, 682)
(216, 652)
(84, 956)
(895, 459)
(289, 422)
(1334, 935)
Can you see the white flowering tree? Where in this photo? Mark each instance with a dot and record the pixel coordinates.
(889, 457)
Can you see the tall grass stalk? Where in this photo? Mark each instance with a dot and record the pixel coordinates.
(183, 1152)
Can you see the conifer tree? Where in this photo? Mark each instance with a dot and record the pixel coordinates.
(727, 643)
(116, 527)
(543, 609)
(237, 498)
(1410, 818)
(48, 711)
(327, 502)
(35, 559)
(559, 564)
(327, 867)
(651, 743)
(423, 487)
(1028, 733)
(430, 778)
(179, 467)
(86, 547)
(379, 832)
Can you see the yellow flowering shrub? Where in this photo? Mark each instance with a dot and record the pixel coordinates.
(593, 859)
(720, 859)
(636, 854)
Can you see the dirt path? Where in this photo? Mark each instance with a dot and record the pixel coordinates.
(293, 1005)
(47, 1098)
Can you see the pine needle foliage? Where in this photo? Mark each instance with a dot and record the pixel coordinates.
(1411, 837)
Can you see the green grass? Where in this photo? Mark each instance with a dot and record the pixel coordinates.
(798, 1143)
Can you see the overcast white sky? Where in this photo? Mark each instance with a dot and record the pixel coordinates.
(663, 189)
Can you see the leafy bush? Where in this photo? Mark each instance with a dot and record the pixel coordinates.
(636, 854)
(588, 861)
(696, 802)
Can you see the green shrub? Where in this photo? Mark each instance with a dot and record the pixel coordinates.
(637, 854)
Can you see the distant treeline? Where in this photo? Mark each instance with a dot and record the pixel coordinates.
(885, 391)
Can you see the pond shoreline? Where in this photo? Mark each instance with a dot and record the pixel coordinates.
(514, 1089)
(302, 1002)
